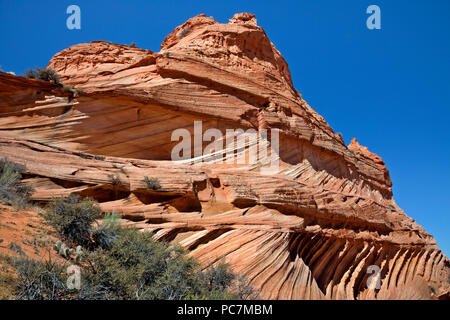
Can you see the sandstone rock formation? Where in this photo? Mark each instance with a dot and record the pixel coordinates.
(310, 230)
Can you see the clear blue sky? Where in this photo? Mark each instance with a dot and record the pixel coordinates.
(390, 88)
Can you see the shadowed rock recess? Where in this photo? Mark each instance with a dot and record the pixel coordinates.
(308, 231)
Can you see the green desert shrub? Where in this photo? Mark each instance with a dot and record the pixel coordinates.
(105, 235)
(184, 32)
(46, 74)
(136, 266)
(222, 283)
(71, 88)
(12, 191)
(151, 183)
(73, 218)
(219, 277)
(38, 280)
(16, 248)
(115, 179)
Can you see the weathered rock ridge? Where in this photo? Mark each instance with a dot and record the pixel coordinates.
(310, 230)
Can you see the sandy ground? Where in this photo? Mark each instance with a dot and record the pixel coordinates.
(22, 230)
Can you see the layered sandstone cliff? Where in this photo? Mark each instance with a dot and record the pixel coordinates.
(309, 230)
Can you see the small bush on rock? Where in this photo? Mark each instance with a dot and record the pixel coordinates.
(151, 183)
(12, 191)
(72, 218)
(72, 89)
(183, 33)
(45, 74)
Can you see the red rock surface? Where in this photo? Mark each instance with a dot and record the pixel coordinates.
(308, 231)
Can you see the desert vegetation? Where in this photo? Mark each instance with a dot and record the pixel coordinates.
(151, 183)
(12, 190)
(71, 88)
(45, 74)
(117, 263)
(184, 32)
(50, 75)
(73, 218)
